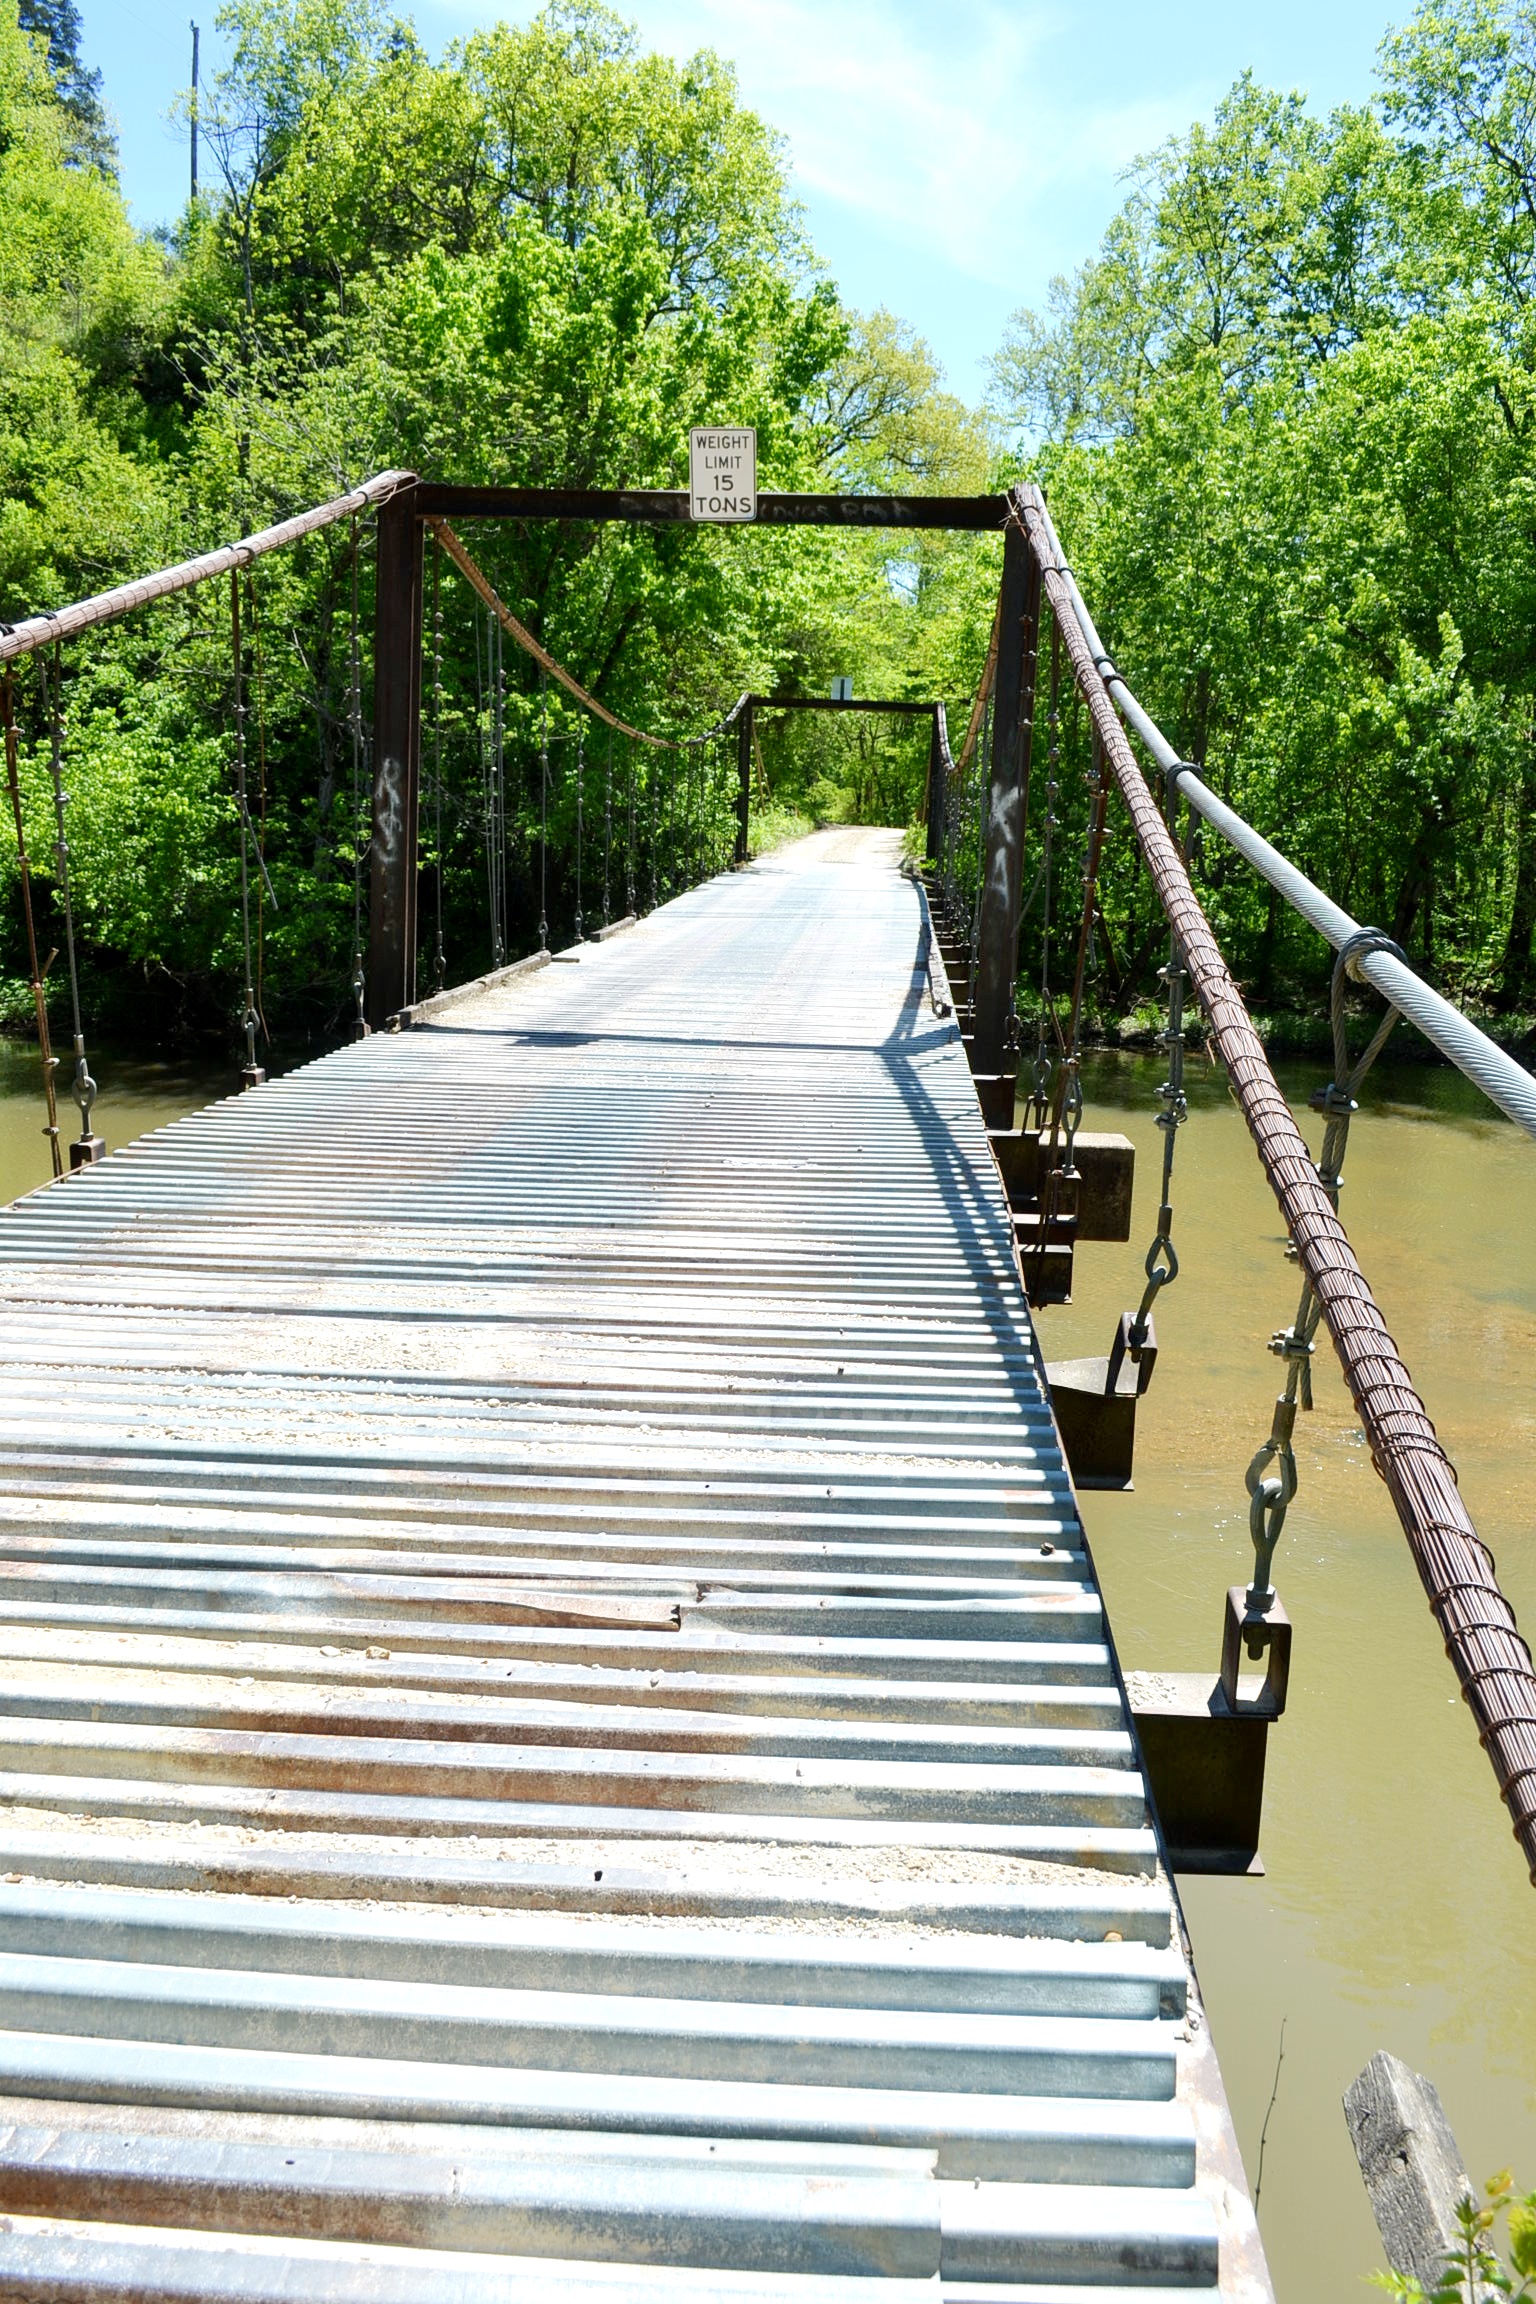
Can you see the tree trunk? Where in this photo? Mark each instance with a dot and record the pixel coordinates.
(1418, 888)
(1515, 969)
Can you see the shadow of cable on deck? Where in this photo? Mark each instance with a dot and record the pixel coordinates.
(972, 1194)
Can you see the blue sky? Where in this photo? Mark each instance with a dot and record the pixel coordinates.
(952, 155)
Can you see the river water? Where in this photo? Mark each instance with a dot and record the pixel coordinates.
(136, 1094)
(1394, 1911)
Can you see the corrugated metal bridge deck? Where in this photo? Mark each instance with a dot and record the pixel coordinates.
(557, 1737)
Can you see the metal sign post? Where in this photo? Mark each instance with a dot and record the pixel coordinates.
(722, 474)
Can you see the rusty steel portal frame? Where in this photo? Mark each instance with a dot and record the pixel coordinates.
(398, 635)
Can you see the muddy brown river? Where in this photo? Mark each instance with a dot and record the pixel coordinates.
(1394, 1910)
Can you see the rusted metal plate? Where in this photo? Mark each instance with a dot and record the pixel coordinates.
(1106, 1165)
(1096, 1420)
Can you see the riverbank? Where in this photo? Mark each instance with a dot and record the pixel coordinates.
(1294, 1032)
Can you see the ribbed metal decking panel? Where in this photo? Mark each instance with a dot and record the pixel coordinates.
(557, 1736)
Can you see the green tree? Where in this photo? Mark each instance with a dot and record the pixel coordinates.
(1285, 420)
(57, 22)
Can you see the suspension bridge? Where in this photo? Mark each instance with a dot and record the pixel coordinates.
(558, 1733)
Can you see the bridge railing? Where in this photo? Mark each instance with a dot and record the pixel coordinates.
(1503, 1081)
(1491, 1659)
(675, 822)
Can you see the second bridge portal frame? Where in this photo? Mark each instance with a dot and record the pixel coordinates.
(398, 638)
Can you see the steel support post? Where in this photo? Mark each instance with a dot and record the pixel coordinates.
(396, 761)
(937, 793)
(1013, 713)
(744, 781)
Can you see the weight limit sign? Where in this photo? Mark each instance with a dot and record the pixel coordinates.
(722, 474)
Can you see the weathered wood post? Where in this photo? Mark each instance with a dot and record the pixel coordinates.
(744, 778)
(396, 760)
(1412, 2168)
(1013, 714)
(938, 794)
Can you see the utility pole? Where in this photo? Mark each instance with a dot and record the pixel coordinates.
(194, 112)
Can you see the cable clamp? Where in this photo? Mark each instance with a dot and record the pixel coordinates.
(1360, 946)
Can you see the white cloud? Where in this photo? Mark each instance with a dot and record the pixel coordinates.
(937, 128)
(942, 127)
(952, 154)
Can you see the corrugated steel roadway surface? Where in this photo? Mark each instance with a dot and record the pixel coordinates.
(556, 1737)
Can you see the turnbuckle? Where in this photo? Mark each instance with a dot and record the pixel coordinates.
(1269, 1499)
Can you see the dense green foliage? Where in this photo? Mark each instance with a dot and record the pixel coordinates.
(1286, 416)
(536, 260)
(1287, 421)
(1475, 2272)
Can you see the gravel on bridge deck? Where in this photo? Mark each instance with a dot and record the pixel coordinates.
(557, 1734)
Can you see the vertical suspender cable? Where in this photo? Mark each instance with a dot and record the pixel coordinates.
(607, 827)
(355, 715)
(499, 784)
(1046, 1029)
(485, 788)
(581, 761)
(88, 1146)
(439, 957)
(39, 997)
(653, 779)
(251, 1074)
(983, 754)
(1059, 1198)
(543, 809)
(259, 836)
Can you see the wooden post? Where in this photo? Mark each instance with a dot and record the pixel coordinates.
(1013, 713)
(937, 794)
(396, 761)
(744, 783)
(1412, 2168)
